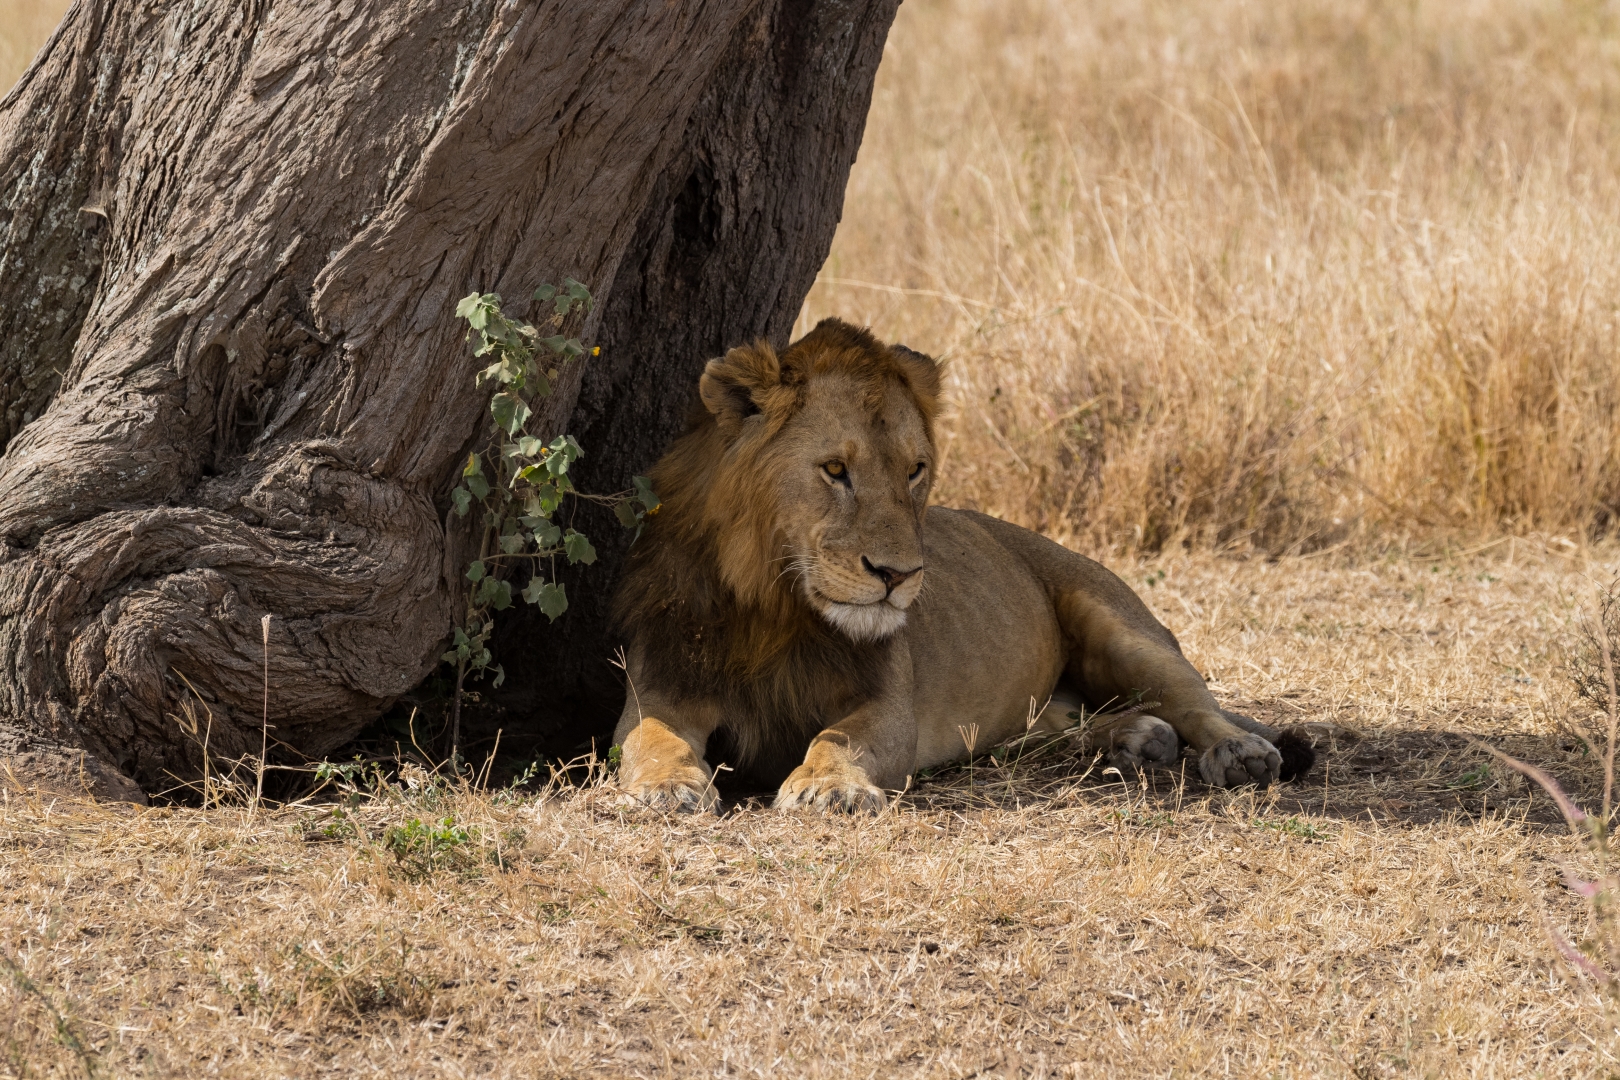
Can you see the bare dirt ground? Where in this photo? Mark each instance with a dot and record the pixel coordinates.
(1030, 916)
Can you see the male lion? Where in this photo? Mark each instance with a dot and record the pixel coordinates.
(797, 602)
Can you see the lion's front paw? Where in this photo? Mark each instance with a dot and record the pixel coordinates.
(1143, 741)
(1241, 759)
(839, 792)
(683, 791)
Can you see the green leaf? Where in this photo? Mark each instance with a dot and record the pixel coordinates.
(563, 453)
(500, 677)
(550, 598)
(475, 573)
(578, 548)
(529, 446)
(478, 486)
(512, 543)
(510, 412)
(547, 535)
(644, 492)
(468, 304)
(487, 591)
(549, 498)
(626, 513)
(545, 292)
(555, 343)
(461, 498)
(553, 600)
(474, 467)
(564, 303)
(486, 306)
(501, 597)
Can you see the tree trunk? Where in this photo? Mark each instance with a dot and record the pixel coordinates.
(232, 235)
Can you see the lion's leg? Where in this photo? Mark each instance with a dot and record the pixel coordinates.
(1131, 742)
(1115, 658)
(852, 765)
(1117, 649)
(1134, 742)
(661, 755)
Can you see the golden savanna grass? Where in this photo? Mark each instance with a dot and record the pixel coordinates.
(1216, 281)
(24, 26)
(1259, 275)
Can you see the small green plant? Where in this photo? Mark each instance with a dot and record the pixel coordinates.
(518, 480)
(1472, 780)
(335, 824)
(420, 848)
(1141, 819)
(1294, 826)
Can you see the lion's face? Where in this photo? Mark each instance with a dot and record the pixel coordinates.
(837, 435)
(852, 488)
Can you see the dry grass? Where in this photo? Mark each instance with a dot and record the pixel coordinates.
(1032, 917)
(24, 26)
(1258, 275)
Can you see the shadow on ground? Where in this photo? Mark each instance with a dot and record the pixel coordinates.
(1387, 776)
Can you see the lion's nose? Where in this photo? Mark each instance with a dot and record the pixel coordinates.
(891, 576)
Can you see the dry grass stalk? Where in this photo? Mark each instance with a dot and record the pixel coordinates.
(264, 729)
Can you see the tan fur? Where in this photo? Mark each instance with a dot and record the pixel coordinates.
(796, 600)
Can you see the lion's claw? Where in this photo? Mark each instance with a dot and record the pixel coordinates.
(834, 794)
(673, 796)
(1239, 760)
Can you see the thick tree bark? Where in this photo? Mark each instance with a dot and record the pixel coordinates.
(232, 235)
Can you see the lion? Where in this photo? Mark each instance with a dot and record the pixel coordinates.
(797, 611)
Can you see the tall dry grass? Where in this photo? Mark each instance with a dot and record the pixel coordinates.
(24, 27)
(1269, 276)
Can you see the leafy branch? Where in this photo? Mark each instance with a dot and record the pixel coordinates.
(518, 480)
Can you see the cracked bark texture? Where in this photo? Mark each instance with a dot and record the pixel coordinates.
(232, 234)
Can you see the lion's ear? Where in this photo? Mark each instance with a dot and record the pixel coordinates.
(922, 372)
(734, 386)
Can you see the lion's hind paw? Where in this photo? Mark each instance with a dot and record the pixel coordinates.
(1239, 760)
(1143, 742)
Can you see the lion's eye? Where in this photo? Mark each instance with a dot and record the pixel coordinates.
(837, 470)
(916, 472)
